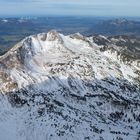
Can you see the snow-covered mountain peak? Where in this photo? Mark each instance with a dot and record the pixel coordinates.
(53, 35)
(42, 52)
(69, 85)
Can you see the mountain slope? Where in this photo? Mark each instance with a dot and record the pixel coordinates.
(68, 87)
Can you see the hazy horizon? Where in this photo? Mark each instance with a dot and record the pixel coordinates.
(108, 8)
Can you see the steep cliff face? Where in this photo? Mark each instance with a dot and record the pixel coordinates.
(68, 87)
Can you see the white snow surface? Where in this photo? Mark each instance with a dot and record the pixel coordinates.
(63, 88)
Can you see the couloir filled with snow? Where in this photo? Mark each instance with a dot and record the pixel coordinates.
(56, 87)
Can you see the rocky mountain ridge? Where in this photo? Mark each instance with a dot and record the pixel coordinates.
(68, 87)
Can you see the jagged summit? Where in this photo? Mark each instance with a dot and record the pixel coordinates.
(39, 53)
(68, 87)
(52, 35)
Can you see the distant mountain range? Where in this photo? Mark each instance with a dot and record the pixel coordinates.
(101, 26)
(117, 27)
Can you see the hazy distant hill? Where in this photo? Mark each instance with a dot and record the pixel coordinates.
(117, 27)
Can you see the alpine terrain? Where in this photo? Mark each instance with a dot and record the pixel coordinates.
(56, 87)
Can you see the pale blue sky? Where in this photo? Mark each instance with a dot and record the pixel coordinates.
(70, 7)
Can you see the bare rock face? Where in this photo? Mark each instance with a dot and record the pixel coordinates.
(69, 87)
(53, 35)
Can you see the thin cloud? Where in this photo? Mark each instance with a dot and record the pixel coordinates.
(73, 7)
